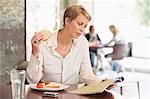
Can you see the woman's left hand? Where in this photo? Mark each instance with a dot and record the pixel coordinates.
(111, 86)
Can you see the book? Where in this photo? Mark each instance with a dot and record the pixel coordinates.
(93, 89)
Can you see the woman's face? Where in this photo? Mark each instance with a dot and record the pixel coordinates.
(77, 26)
(113, 30)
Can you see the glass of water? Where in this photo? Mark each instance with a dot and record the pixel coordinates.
(18, 83)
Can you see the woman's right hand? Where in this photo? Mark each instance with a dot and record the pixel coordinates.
(36, 40)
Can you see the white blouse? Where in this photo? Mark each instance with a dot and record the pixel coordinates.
(50, 66)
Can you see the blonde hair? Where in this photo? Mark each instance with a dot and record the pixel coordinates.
(74, 11)
(115, 30)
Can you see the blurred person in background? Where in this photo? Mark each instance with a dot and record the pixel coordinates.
(94, 41)
(117, 39)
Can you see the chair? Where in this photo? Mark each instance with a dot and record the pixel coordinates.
(130, 45)
(118, 52)
(23, 65)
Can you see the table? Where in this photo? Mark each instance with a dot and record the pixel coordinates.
(136, 64)
(138, 79)
(5, 93)
(101, 51)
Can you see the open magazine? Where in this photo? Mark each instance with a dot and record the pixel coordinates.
(92, 89)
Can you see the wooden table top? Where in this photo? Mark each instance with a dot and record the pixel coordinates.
(5, 93)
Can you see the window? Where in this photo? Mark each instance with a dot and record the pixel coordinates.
(40, 14)
(123, 14)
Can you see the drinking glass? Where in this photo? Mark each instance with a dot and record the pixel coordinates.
(18, 83)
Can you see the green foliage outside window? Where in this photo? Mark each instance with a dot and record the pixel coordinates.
(143, 10)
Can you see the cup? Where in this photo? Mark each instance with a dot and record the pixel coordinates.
(18, 83)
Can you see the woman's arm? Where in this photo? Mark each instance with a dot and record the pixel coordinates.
(111, 41)
(34, 70)
(86, 69)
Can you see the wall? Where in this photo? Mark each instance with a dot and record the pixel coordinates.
(12, 36)
(63, 5)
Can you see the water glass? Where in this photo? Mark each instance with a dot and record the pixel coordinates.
(18, 83)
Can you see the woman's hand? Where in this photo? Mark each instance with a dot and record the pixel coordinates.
(37, 39)
(110, 86)
(94, 43)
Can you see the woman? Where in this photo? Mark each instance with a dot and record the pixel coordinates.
(120, 46)
(117, 36)
(64, 58)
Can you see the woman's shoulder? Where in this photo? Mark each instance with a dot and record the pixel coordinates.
(82, 38)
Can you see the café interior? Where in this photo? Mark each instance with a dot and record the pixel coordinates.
(21, 19)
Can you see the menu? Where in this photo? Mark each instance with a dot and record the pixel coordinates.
(92, 89)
